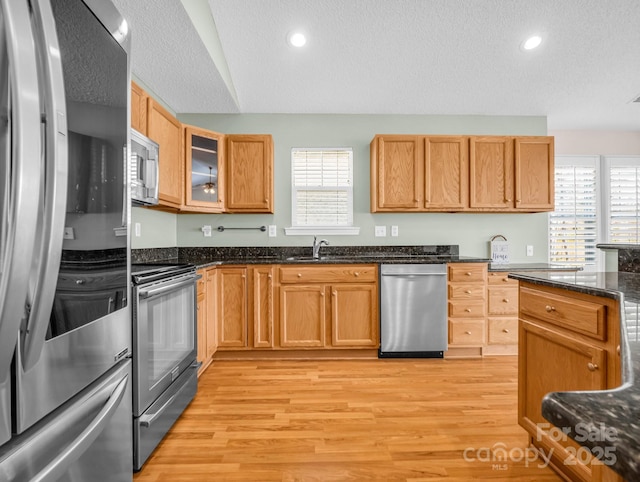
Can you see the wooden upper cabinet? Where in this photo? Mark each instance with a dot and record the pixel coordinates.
(397, 173)
(165, 129)
(534, 170)
(249, 174)
(491, 171)
(138, 108)
(204, 169)
(446, 172)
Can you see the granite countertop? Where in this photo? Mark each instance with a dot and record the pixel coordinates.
(336, 259)
(611, 418)
(511, 267)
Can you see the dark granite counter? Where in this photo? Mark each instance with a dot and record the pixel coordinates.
(215, 256)
(511, 267)
(608, 420)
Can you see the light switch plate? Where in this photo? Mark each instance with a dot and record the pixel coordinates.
(394, 230)
(137, 229)
(69, 233)
(529, 250)
(272, 231)
(381, 231)
(206, 230)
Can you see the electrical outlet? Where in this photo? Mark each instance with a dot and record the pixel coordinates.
(138, 230)
(394, 230)
(529, 250)
(272, 231)
(69, 233)
(206, 230)
(381, 231)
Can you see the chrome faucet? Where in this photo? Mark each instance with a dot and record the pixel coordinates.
(316, 246)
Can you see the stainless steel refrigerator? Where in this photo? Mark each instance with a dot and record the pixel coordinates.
(65, 322)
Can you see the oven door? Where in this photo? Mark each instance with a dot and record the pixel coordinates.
(164, 336)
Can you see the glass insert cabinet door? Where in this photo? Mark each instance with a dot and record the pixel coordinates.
(205, 169)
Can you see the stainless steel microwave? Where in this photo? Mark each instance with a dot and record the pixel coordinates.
(144, 169)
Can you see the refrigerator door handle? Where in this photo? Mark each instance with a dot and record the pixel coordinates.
(19, 202)
(48, 250)
(57, 467)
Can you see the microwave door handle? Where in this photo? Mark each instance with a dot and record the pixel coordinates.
(53, 208)
(20, 142)
(57, 467)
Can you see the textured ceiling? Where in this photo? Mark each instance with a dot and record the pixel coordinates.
(399, 57)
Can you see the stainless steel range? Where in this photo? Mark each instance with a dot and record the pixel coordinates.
(164, 351)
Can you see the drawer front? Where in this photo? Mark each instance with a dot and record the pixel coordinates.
(459, 291)
(503, 301)
(328, 274)
(466, 332)
(467, 272)
(570, 313)
(503, 331)
(467, 309)
(501, 278)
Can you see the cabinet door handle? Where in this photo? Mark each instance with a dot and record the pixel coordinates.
(269, 276)
(506, 300)
(618, 350)
(592, 367)
(507, 200)
(549, 308)
(504, 330)
(468, 310)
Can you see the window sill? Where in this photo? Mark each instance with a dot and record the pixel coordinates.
(328, 230)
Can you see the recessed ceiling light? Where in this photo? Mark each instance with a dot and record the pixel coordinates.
(296, 39)
(532, 42)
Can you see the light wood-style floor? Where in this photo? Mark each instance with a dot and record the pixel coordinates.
(359, 420)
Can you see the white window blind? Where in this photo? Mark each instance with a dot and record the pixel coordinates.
(322, 187)
(624, 200)
(573, 225)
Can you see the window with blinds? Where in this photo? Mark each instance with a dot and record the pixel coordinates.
(573, 225)
(322, 193)
(624, 200)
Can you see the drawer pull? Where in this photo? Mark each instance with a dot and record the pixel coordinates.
(468, 273)
(299, 275)
(468, 310)
(549, 308)
(506, 300)
(506, 280)
(356, 274)
(504, 330)
(592, 367)
(467, 332)
(467, 292)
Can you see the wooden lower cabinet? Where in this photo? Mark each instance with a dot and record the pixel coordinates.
(262, 306)
(466, 308)
(201, 321)
(553, 356)
(302, 316)
(502, 314)
(353, 307)
(232, 307)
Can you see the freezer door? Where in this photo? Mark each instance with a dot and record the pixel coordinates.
(88, 438)
(19, 173)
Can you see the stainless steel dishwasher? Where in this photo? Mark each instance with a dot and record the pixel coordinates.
(413, 310)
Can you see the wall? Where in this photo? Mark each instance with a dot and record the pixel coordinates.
(471, 231)
(612, 143)
(598, 143)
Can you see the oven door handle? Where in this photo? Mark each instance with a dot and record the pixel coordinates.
(150, 293)
(147, 420)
